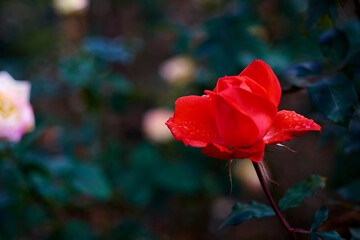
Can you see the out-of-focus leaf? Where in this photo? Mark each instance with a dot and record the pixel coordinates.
(144, 157)
(318, 8)
(334, 97)
(52, 183)
(351, 191)
(320, 216)
(79, 70)
(177, 178)
(91, 180)
(352, 70)
(355, 233)
(79, 230)
(46, 187)
(120, 84)
(130, 230)
(326, 236)
(296, 195)
(297, 74)
(332, 10)
(112, 50)
(241, 212)
(35, 215)
(350, 143)
(136, 188)
(334, 45)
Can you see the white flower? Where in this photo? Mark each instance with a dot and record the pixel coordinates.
(179, 69)
(154, 125)
(16, 113)
(70, 6)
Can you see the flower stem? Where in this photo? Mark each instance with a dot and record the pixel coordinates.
(286, 225)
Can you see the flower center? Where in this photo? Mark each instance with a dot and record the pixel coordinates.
(6, 107)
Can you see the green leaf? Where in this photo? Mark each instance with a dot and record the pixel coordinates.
(299, 73)
(79, 70)
(113, 50)
(313, 236)
(355, 233)
(241, 212)
(136, 187)
(352, 69)
(319, 217)
(79, 230)
(318, 8)
(91, 180)
(334, 97)
(326, 236)
(332, 10)
(351, 191)
(120, 83)
(296, 195)
(144, 157)
(130, 229)
(334, 45)
(177, 178)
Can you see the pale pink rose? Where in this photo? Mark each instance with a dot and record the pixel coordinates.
(16, 113)
(153, 125)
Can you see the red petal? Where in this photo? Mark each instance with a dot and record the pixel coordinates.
(289, 124)
(194, 121)
(217, 151)
(261, 73)
(254, 153)
(260, 110)
(242, 82)
(235, 128)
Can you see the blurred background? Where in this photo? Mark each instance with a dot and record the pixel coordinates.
(105, 74)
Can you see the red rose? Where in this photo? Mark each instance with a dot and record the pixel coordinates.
(238, 117)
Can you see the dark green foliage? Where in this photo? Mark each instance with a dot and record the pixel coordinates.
(335, 97)
(112, 50)
(326, 236)
(299, 73)
(351, 69)
(88, 172)
(319, 8)
(77, 229)
(320, 217)
(351, 191)
(241, 212)
(131, 229)
(90, 180)
(296, 195)
(355, 233)
(79, 70)
(147, 172)
(334, 45)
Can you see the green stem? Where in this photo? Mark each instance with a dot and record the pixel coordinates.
(280, 216)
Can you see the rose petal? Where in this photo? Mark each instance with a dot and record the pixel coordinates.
(243, 82)
(235, 128)
(194, 121)
(18, 90)
(226, 82)
(289, 124)
(261, 73)
(260, 110)
(254, 153)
